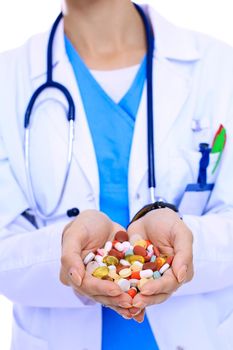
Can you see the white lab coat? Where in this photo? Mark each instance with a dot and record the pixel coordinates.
(193, 79)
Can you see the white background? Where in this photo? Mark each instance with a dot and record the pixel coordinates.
(19, 19)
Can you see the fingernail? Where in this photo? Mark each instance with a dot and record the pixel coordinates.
(125, 305)
(182, 274)
(76, 278)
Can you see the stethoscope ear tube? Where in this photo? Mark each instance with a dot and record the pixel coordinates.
(150, 117)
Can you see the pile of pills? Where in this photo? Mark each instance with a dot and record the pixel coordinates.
(130, 264)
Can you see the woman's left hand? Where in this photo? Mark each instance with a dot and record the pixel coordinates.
(165, 229)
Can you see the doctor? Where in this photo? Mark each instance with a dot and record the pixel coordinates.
(99, 55)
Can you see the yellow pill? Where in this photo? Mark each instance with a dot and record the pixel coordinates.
(142, 282)
(141, 243)
(110, 260)
(101, 272)
(136, 267)
(125, 272)
(133, 258)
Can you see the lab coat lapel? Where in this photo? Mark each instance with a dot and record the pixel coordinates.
(170, 93)
(174, 55)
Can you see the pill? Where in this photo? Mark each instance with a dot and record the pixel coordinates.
(108, 246)
(156, 275)
(92, 266)
(118, 246)
(102, 264)
(99, 258)
(159, 262)
(129, 252)
(135, 275)
(138, 250)
(164, 268)
(153, 258)
(169, 260)
(126, 245)
(126, 272)
(112, 267)
(132, 292)
(124, 284)
(124, 262)
(133, 258)
(114, 252)
(113, 274)
(156, 251)
(119, 268)
(141, 243)
(133, 282)
(110, 260)
(101, 272)
(150, 248)
(146, 273)
(89, 257)
(121, 236)
(149, 265)
(101, 252)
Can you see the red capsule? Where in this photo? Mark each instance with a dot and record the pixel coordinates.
(132, 292)
(149, 266)
(156, 251)
(169, 260)
(135, 275)
(121, 236)
(138, 250)
(116, 253)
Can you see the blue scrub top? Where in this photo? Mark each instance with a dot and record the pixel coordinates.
(112, 125)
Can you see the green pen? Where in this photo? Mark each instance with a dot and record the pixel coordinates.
(219, 144)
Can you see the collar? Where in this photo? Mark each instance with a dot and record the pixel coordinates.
(171, 43)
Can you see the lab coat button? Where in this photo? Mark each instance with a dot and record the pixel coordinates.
(179, 347)
(138, 196)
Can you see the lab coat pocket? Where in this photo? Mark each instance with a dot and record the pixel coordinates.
(184, 171)
(23, 340)
(225, 333)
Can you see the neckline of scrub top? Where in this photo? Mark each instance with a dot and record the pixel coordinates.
(123, 105)
(122, 78)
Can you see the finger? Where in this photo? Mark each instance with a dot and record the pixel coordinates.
(122, 312)
(93, 286)
(166, 284)
(140, 317)
(123, 301)
(71, 260)
(183, 244)
(142, 301)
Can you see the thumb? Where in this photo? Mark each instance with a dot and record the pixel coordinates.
(71, 261)
(183, 260)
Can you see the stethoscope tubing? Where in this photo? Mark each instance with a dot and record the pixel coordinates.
(39, 212)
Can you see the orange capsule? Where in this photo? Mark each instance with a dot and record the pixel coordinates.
(132, 292)
(148, 243)
(135, 275)
(160, 262)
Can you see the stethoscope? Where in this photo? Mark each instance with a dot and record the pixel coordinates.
(50, 83)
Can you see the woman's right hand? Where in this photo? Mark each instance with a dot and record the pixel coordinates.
(88, 232)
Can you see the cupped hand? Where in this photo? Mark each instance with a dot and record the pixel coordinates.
(165, 229)
(88, 232)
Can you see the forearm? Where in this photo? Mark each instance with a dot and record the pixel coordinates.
(29, 269)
